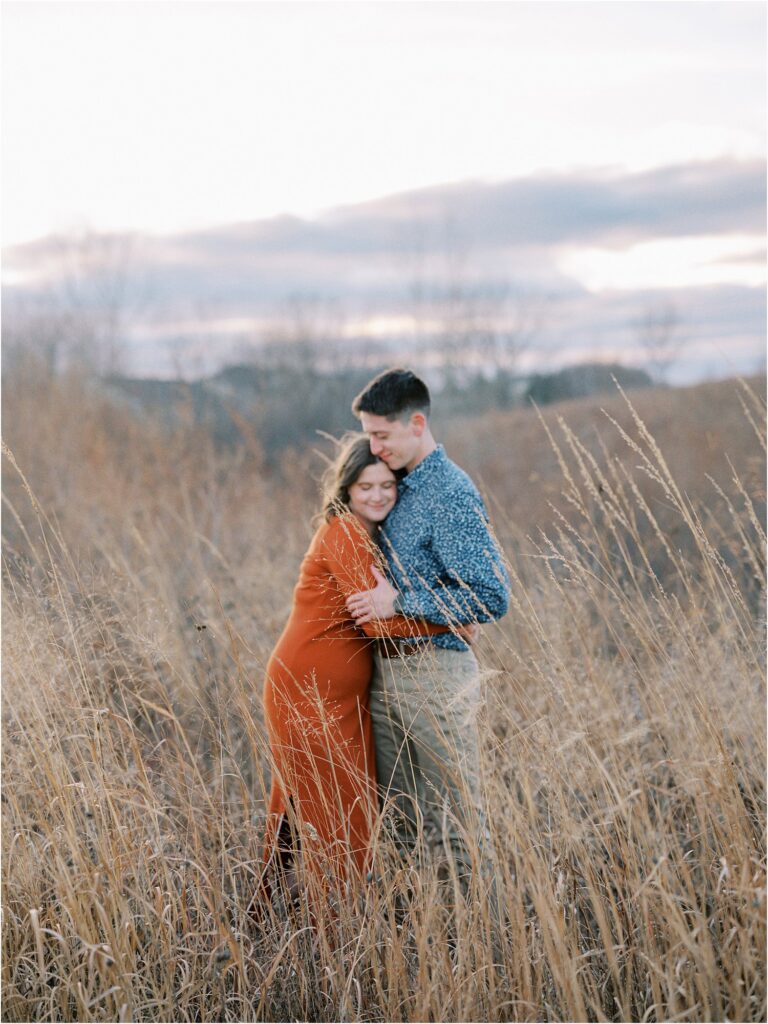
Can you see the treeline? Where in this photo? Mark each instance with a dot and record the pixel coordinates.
(287, 405)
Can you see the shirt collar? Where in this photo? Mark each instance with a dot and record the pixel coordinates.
(420, 474)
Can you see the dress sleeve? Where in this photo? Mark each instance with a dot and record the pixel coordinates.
(349, 554)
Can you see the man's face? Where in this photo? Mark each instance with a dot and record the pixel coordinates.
(397, 443)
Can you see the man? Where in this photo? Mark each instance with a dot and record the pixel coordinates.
(445, 567)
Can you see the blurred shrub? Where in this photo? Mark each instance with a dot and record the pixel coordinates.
(584, 380)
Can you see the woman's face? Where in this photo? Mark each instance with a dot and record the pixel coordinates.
(373, 494)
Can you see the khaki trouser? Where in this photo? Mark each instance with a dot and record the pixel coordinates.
(424, 710)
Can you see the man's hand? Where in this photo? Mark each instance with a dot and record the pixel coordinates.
(378, 603)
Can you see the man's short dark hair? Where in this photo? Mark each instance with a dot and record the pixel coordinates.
(396, 394)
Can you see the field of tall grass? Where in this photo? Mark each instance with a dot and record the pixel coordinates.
(146, 578)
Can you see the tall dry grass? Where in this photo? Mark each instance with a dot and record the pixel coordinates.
(146, 579)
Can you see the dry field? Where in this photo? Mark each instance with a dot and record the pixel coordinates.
(146, 578)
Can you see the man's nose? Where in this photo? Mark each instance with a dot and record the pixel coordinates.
(375, 446)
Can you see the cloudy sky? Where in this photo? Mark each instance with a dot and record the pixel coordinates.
(596, 159)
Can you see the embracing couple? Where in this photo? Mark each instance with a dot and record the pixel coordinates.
(372, 691)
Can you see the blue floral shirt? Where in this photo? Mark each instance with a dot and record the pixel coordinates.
(442, 556)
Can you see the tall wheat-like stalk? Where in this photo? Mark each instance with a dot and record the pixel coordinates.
(623, 878)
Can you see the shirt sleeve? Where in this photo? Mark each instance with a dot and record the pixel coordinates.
(349, 555)
(470, 583)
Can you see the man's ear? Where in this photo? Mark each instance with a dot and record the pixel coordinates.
(419, 423)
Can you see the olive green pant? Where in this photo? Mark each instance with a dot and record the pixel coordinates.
(424, 710)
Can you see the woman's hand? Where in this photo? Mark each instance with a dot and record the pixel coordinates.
(378, 603)
(469, 633)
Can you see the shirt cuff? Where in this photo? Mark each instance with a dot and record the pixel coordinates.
(398, 604)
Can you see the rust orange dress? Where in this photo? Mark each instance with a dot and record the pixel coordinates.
(316, 705)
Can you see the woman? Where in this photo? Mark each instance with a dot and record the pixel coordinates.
(316, 688)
